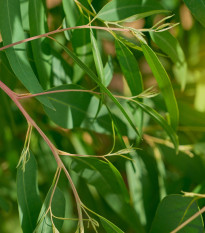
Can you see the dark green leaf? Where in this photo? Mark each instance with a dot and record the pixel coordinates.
(37, 14)
(71, 107)
(109, 226)
(12, 31)
(117, 10)
(95, 79)
(28, 195)
(169, 44)
(174, 210)
(197, 8)
(58, 209)
(129, 68)
(164, 84)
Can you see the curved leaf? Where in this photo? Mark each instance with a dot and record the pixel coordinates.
(129, 68)
(164, 84)
(95, 79)
(42, 61)
(109, 183)
(58, 209)
(169, 44)
(174, 210)
(28, 195)
(12, 31)
(197, 8)
(117, 10)
(159, 119)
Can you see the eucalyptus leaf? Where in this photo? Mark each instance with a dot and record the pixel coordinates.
(129, 68)
(70, 107)
(12, 31)
(118, 10)
(170, 45)
(197, 8)
(164, 84)
(167, 218)
(95, 79)
(28, 195)
(108, 182)
(58, 210)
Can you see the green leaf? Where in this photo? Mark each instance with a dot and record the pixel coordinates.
(164, 84)
(174, 210)
(70, 107)
(170, 45)
(95, 79)
(109, 183)
(4, 205)
(12, 31)
(159, 119)
(82, 47)
(109, 226)
(108, 71)
(97, 58)
(71, 12)
(58, 209)
(37, 14)
(28, 195)
(197, 8)
(129, 68)
(117, 10)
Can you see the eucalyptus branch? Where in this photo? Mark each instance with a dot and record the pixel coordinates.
(61, 30)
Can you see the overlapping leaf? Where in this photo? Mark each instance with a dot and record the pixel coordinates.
(118, 10)
(197, 8)
(164, 84)
(169, 44)
(174, 210)
(12, 31)
(28, 195)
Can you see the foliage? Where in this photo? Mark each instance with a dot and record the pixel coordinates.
(114, 104)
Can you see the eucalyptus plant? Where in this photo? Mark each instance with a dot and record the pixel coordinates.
(61, 81)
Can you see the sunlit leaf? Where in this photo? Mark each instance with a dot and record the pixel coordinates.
(117, 10)
(95, 79)
(169, 45)
(164, 84)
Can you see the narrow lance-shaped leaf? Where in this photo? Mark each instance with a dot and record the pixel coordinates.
(12, 31)
(37, 14)
(28, 195)
(107, 180)
(197, 8)
(95, 79)
(170, 45)
(58, 210)
(159, 119)
(164, 84)
(118, 10)
(129, 68)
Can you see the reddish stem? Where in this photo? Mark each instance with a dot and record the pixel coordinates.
(62, 30)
